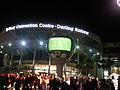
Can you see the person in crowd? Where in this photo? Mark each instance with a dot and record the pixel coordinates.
(18, 82)
(5, 81)
(54, 83)
(111, 85)
(26, 82)
(12, 80)
(40, 82)
(1, 82)
(103, 84)
(72, 83)
(64, 84)
(118, 82)
(89, 85)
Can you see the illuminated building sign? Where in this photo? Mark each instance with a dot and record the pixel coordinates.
(65, 27)
(46, 25)
(41, 25)
(21, 26)
(81, 31)
(26, 26)
(10, 28)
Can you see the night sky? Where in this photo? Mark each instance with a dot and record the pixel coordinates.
(101, 17)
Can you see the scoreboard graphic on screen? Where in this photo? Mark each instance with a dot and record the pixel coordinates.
(59, 43)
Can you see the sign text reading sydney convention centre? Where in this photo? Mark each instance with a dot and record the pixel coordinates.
(41, 25)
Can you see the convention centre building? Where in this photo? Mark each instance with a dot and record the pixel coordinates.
(24, 46)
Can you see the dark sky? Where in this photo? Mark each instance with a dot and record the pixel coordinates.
(101, 17)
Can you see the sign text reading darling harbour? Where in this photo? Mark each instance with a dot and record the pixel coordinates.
(41, 25)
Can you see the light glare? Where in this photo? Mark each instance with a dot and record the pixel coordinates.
(98, 53)
(23, 43)
(90, 50)
(118, 3)
(9, 44)
(1, 46)
(41, 43)
(77, 47)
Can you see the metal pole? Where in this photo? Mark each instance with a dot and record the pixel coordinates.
(41, 48)
(65, 70)
(34, 57)
(96, 68)
(78, 52)
(95, 60)
(11, 61)
(5, 60)
(49, 64)
(78, 57)
(20, 61)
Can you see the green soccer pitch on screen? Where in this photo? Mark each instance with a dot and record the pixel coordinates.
(59, 43)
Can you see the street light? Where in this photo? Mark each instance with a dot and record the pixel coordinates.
(34, 57)
(41, 44)
(90, 50)
(95, 58)
(23, 43)
(77, 47)
(4, 60)
(10, 44)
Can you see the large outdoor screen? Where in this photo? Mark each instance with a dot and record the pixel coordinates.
(59, 43)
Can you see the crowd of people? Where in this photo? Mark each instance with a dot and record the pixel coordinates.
(52, 82)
